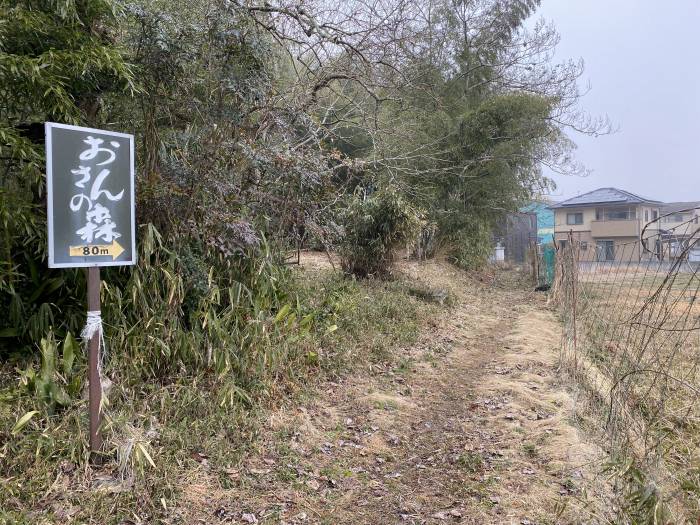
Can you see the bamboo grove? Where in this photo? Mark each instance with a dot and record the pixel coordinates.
(358, 127)
(279, 124)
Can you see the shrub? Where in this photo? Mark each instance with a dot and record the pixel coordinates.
(187, 308)
(375, 226)
(472, 246)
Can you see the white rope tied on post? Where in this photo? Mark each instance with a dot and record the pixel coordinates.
(93, 326)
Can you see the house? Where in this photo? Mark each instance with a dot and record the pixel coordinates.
(678, 227)
(607, 223)
(679, 215)
(545, 220)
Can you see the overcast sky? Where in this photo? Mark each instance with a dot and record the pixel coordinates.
(643, 61)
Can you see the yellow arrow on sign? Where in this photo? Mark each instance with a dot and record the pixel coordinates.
(96, 250)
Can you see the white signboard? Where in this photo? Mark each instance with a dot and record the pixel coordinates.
(90, 197)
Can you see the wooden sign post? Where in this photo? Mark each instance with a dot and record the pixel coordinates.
(91, 223)
(94, 358)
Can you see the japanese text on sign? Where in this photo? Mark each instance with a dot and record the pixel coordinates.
(90, 182)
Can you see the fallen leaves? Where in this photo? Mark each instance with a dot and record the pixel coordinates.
(461, 428)
(447, 514)
(312, 484)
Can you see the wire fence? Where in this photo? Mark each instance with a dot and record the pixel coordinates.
(632, 345)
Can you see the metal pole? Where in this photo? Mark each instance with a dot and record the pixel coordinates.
(95, 390)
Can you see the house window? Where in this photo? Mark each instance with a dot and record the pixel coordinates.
(654, 215)
(605, 250)
(646, 215)
(677, 217)
(615, 214)
(620, 214)
(584, 245)
(574, 218)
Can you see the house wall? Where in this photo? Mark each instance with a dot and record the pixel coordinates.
(589, 216)
(560, 219)
(583, 238)
(621, 228)
(626, 248)
(648, 211)
(682, 227)
(624, 234)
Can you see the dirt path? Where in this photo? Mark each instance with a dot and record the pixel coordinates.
(470, 427)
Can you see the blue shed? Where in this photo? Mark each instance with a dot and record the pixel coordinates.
(545, 220)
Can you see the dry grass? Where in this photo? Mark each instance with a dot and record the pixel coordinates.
(468, 425)
(197, 437)
(436, 400)
(636, 351)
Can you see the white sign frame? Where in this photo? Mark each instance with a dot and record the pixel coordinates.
(48, 126)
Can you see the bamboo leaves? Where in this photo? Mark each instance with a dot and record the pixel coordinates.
(69, 350)
(57, 59)
(23, 421)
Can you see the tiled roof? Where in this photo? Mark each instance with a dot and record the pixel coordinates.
(604, 196)
(673, 207)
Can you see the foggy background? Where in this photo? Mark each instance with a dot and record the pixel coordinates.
(642, 60)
